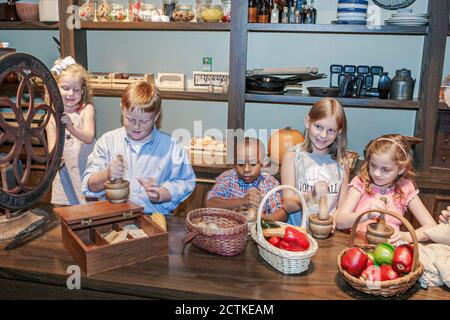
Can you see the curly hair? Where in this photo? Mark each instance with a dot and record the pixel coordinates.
(400, 152)
(77, 70)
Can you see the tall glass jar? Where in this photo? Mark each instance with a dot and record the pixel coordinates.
(183, 12)
(169, 7)
(226, 5)
(104, 8)
(87, 11)
(118, 12)
(199, 5)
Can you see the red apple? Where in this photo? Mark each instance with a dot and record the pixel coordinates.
(403, 258)
(354, 261)
(371, 273)
(387, 273)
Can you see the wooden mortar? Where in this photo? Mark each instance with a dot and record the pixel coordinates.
(321, 224)
(379, 232)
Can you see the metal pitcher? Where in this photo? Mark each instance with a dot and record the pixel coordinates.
(402, 85)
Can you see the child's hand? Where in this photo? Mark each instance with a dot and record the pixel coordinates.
(67, 121)
(321, 188)
(376, 204)
(252, 198)
(152, 188)
(445, 216)
(400, 236)
(116, 169)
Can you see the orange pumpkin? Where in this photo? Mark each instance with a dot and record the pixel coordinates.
(281, 140)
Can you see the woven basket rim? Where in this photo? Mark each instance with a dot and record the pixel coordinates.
(387, 284)
(313, 246)
(220, 212)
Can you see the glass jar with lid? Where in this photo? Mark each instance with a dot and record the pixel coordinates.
(183, 12)
(148, 12)
(211, 13)
(118, 12)
(169, 7)
(87, 11)
(104, 8)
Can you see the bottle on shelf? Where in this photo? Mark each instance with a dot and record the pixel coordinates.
(263, 12)
(298, 12)
(304, 12)
(274, 14)
(252, 11)
(313, 12)
(292, 11)
(285, 15)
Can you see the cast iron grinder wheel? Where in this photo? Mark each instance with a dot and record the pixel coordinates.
(24, 129)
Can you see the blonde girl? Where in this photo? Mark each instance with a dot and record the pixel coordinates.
(385, 181)
(79, 118)
(316, 166)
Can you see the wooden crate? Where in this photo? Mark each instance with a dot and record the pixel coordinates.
(100, 80)
(118, 82)
(82, 227)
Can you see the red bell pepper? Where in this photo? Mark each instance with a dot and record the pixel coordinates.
(275, 241)
(403, 258)
(294, 240)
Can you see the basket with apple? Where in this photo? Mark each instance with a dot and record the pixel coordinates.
(381, 270)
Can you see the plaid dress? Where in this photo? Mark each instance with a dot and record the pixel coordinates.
(229, 186)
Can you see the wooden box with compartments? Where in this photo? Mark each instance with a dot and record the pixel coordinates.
(103, 236)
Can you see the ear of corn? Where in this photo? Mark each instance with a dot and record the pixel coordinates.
(159, 219)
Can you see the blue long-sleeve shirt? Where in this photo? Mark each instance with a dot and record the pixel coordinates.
(162, 157)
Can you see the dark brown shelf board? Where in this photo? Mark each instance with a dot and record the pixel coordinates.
(443, 107)
(170, 95)
(158, 26)
(346, 102)
(28, 25)
(333, 28)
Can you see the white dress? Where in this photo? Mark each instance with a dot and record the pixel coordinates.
(66, 187)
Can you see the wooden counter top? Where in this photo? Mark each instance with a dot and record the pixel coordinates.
(38, 270)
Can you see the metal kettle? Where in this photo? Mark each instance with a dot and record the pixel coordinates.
(402, 85)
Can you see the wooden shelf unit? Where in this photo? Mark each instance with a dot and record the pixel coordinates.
(339, 29)
(156, 26)
(170, 95)
(346, 102)
(28, 25)
(74, 43)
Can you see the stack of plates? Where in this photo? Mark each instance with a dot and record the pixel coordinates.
(352, 12)
(408, 19)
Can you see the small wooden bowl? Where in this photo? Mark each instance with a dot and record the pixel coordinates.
(117, 191)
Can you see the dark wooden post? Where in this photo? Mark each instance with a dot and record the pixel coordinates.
(73, 40)
(432, 64)
(238, 65)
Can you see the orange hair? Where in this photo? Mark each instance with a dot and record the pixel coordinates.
(142, 95)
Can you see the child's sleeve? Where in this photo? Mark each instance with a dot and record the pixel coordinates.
(221, 187)
(409, 192)
(274, 201)
(358, 184)
(181, 181)
(98, 160)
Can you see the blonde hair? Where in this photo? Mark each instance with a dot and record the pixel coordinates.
(329, 107)
(142, 95)
(400, 152)
(77, 70)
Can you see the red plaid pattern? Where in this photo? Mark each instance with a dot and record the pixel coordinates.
(229, 186)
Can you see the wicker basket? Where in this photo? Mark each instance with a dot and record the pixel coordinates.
(383, 288)
(228, 239)
(288, 262)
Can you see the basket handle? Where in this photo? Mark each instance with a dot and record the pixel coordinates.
(399, 217)
(263, 202)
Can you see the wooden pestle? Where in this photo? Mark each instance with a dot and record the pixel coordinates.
(323, 207)
(381, 225)
(118, 180)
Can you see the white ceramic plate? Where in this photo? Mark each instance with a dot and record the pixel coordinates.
(351, 6)
(352, 18)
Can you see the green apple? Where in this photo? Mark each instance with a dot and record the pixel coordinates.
(384, 253)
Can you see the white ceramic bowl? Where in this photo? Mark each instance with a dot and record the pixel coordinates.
(351, 18)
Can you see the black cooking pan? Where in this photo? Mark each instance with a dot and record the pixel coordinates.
(324, 91)
(271, 84)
